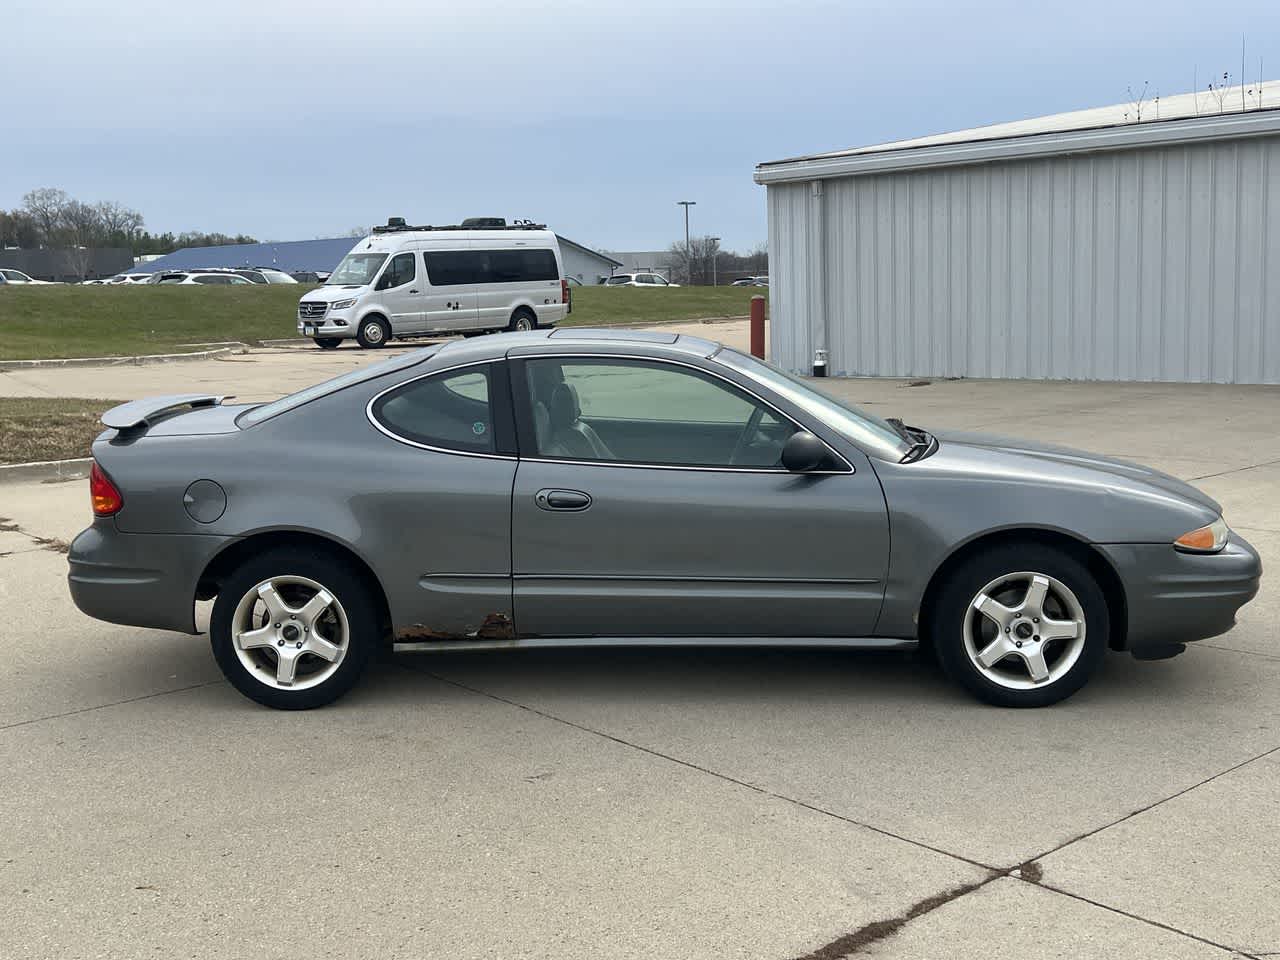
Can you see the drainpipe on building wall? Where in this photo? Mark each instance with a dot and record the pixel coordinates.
(818, 279)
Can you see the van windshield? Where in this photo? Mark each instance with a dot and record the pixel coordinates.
(356, 269)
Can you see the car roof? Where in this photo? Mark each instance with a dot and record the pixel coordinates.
(576, 340)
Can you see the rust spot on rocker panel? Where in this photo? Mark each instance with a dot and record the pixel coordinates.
(495, 626)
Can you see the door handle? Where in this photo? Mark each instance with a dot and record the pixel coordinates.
(562, 499)
(413, 291)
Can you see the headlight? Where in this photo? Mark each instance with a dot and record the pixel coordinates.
(342, 304)
(1207, 539)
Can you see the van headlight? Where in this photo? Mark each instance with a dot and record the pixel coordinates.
(342, 304)
(1210, 538)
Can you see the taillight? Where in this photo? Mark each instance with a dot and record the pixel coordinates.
(564, 290)
(103, 494)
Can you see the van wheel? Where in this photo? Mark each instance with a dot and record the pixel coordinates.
(523, 319)
(373, 333)
(328, 343)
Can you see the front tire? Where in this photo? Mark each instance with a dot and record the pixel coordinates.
(328, 343)
(1020, 625)
(294, 628)
(373, 333)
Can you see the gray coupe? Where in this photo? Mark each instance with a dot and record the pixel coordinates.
(597, 487)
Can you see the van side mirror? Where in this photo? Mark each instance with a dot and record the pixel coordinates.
(803, 452)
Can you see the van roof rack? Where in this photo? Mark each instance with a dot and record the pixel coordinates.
(397, 225)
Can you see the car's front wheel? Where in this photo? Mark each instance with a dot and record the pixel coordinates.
(1020, 625)
(293, 628)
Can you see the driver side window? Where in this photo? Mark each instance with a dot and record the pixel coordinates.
(399, 271)
(648, 412)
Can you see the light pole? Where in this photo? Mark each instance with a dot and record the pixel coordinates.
(715, 255)
(688, 248)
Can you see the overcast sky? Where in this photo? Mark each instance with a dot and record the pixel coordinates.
(292, 119)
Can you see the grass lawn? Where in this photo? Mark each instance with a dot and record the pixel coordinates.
(45, 428)
(79, 321)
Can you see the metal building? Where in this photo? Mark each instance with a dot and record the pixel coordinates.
(1091, 246)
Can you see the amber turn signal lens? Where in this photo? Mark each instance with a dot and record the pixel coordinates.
(1207, 539)
(103, 494)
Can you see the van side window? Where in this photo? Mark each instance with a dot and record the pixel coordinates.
(517, 266)
(399, 271)
(450, 268)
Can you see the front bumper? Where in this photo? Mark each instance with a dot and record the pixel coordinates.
(331, 326)
(139, 579)
(1174, 597)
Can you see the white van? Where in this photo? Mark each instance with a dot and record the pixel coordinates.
(403, 281)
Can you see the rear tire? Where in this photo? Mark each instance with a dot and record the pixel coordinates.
(328, 343)
(267, 621)
(373, 333)
(1020, 625)
(522, 320)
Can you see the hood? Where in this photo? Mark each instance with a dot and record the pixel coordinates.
(329, 293)
(1014, 456)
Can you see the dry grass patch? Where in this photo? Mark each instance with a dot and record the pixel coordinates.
(48, 428)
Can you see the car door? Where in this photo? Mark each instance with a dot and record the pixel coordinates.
(400, 293)
(649, 501)
(442, 508)
(452, 276)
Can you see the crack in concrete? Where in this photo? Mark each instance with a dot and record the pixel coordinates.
(105, 706)
(56, 544)
(869, 933)
(1227, 473)
(701, 769)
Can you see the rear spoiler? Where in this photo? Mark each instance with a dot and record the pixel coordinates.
(143, 413)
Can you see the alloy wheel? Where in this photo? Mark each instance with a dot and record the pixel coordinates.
(290, 633)
(1024, 630)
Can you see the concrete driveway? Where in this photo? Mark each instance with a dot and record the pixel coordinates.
(656, 803)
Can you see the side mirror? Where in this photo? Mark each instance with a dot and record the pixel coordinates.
(803, 452)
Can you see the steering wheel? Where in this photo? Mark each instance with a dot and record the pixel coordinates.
(749, 431)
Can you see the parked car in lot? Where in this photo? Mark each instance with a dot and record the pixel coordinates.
(201, 277)
(750, 282)
(126, 279)
(638, 280)
(17, 276)
(606, 487)
(412, 281)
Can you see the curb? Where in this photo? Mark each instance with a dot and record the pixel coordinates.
(45, 471)
(223, 350)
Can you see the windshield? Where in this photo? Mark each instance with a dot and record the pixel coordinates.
(356, 269)
(873, 435)
(268, 410)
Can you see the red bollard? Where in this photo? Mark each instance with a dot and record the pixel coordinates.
(757, 326)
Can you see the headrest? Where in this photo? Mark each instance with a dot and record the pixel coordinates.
(564, 405)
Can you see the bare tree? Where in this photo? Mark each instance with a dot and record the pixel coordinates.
(80, 231)
(45, 206)
(118, 221)
(693, 264)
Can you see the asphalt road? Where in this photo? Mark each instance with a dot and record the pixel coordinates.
(655, 803)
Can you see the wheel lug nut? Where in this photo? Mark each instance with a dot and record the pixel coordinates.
(280, 643)
(1018, 644)
(1035, 619)
(1037, 638)
(299, 643)
(277, 626)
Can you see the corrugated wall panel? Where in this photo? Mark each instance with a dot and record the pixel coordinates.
(1153, 264)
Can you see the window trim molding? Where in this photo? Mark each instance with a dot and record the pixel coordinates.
(387, 431)
(524, 424)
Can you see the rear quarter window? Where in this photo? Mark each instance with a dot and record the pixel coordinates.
(450, 410)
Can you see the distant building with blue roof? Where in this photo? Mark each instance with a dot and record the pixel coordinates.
(318, 256)
(321, 256)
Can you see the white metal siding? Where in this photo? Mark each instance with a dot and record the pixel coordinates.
(1149, 264)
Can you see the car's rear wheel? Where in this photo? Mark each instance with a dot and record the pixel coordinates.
(523, 319)
(1020, 626)
(328, 343)
(293, 628)
(373, 332)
